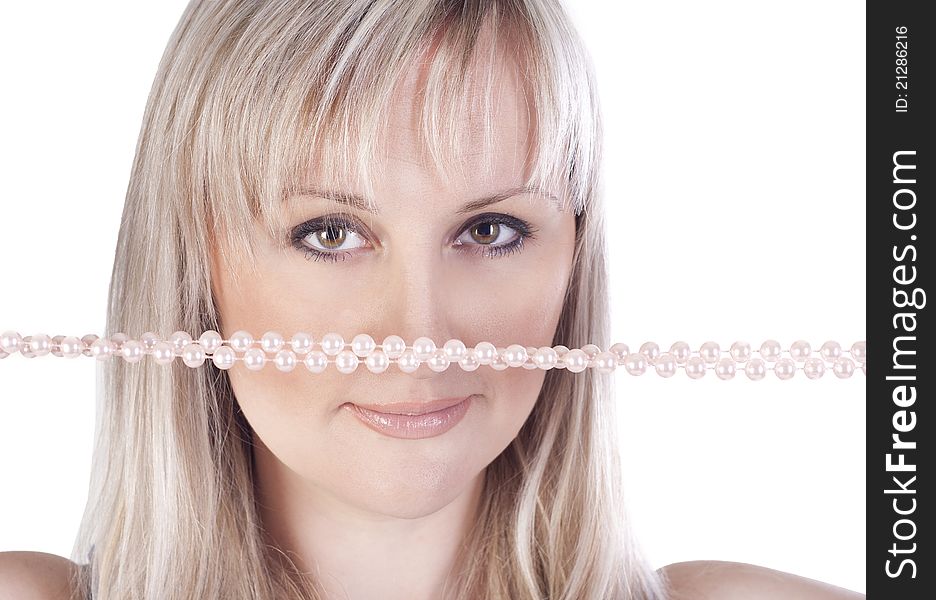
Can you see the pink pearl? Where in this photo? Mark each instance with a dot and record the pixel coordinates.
(316, 361)
(485, 352)
(11, 342)
(695, 367)
(515, 355)
(545, 358)
(149, 341)
(681, 351)
(285, 360)
(469, 362)
(210, 341)
(332, 344)
(498, 363)
(163, 353)
(784, 368)
(132, 351)
(529, 364)
(71, 347)
(740, 351)
(454, 350)
(240, 341)
(813, 367)
(710, 352)
(179, 340)
(636, 363)
(859, 351)
(272, 341)
(770, 350)
(193, 355)
(377, 361)
(665, 365)
(101, 349)
(423, 348)
(725, 368)
(363, 344)
(755, 369)
(800, 350)
(843, 367)
(651, 350)
(438, 362)
(576, 360)
(605, 362)
(301, 343)
(223, 358)
(254, 359)
(393, 346)
(407, 362)
(830, 350)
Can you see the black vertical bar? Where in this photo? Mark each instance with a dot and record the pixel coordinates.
(899, 171)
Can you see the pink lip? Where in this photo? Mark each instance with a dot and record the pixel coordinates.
(431, 418)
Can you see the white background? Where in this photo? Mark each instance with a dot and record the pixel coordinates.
(735, 149)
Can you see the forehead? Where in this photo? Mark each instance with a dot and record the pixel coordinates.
(491, 135)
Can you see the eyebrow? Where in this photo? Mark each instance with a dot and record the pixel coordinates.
(361, 203)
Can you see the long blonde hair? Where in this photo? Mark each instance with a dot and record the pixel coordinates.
(248, 94)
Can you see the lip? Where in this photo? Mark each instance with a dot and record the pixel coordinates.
(425, 419)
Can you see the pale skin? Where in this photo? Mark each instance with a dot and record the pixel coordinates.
(355, 507)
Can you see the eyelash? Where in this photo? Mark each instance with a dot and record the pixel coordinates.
(523, 229)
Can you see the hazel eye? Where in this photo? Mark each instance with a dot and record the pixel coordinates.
(327, 239)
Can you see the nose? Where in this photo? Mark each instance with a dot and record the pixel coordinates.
(416, 301)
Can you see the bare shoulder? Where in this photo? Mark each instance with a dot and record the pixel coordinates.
(35, 576)
(726, 580)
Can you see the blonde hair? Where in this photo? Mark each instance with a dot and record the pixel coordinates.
(249, 94)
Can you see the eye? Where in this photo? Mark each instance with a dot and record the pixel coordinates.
(490, 231)
(492, 234)
(325, 238)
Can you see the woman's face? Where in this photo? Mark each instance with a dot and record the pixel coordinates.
(420, 267)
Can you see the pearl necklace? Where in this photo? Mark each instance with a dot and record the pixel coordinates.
(377, 358)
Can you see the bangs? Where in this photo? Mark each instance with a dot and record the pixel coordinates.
(310, 89)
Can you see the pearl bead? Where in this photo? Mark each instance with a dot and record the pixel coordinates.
(407, 362)
(346, 362)
(515, 355)
(57, 345)
(40, 344)
(149, 341)
(301, 343)
(545, 358)
(485, 352)
(241, 341)
(363, 344)
(423, 348)
(636, 363)
(193, 355)
(843, 367)
(695, 367)
(272, 341)
(620, 351)
(681, 351)
(725, 367)
(11, 342)
(605, 362)
(377, 361)
(800, 350)
(591, 350)
(101, 349)
(26, 349)
(223, 358)
(770, 350)
(528, 364)
(498, 363)
(740, 351)
(332, 344)
(210, 341)
(651, 350)
(254, 359)
(710, 352)
(755, 369)
(561, 351)
(71, 346)
(665, 365)
(438, 362)
(394, 346)
(163, 353)
(454, 350)
(813, 367)
(576, 360)
(86, 341)
(785, 368)
(316, 361)
(859, 351)
(132, 350)
(285, 360)
(830, 350)
(469, 362)
(118, 340)
(179, 340)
